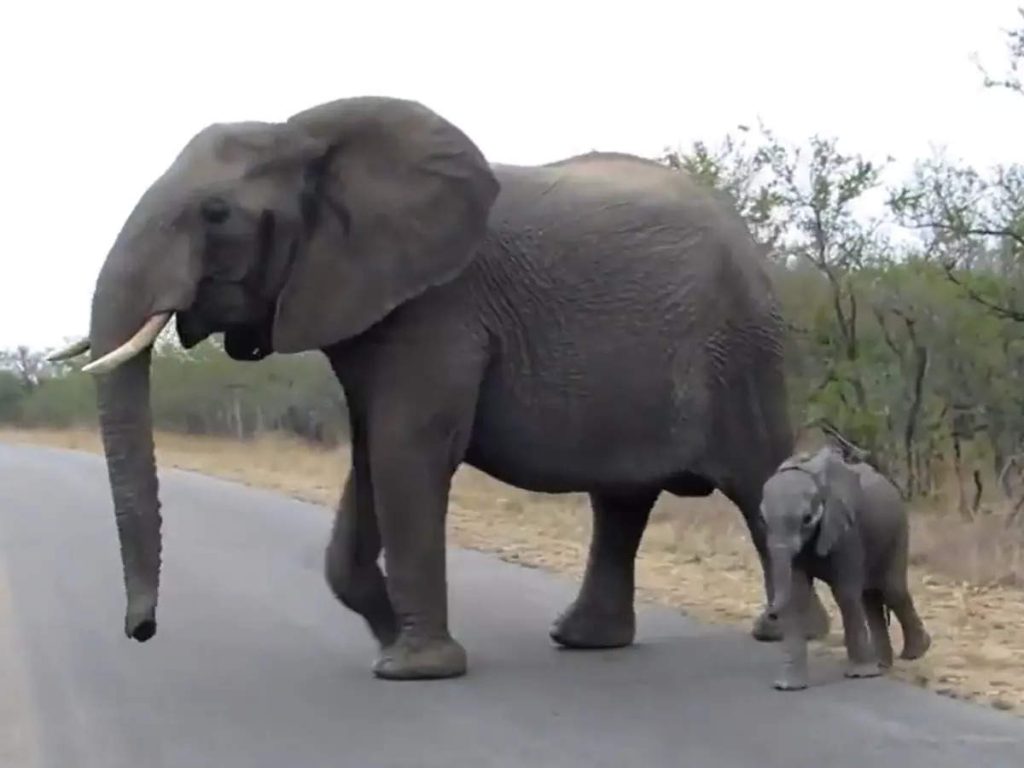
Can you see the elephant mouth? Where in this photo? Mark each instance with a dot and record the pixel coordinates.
(192, 329)
(242, 341)
(248, 343)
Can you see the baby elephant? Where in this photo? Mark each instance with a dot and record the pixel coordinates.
(846, 525)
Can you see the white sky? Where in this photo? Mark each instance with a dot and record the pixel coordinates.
(97, 97)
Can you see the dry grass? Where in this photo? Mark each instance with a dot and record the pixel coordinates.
(696, 554)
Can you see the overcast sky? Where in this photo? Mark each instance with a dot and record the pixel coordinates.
(98, 96)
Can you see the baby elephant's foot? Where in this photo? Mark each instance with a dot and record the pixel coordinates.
(793, 675)
(421, 659)
(814, 622)
(790, 681)
(767, 628)
(863, 669)
(586, 627)
(916, 646)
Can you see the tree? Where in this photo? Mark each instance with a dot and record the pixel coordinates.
(743, 174)
(1010, 80)
(27, 365)
(972, 220)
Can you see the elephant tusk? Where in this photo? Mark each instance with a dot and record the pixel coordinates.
(145, 336)
(71, 350)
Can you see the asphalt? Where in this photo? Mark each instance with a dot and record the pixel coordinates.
(255, 664)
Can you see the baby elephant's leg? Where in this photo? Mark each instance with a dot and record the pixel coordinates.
(793, 676)
(874, 607)
(916, 640)
(859, 651)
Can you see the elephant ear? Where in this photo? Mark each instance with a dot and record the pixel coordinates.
(841, 499)
(397, 203)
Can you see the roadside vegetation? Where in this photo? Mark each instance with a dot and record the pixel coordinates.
(905, 301)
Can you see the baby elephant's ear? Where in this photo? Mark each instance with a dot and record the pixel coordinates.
(842, 493)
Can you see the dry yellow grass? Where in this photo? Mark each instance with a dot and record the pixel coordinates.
(696, 554)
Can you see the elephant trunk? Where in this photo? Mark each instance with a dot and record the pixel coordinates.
(782, 579)
(127, 429)
(148, 275)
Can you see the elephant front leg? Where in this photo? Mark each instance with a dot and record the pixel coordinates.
(860, 653)
(602, 615)
(351, 559)
(793, 675)
(768, 627)
(410, 485)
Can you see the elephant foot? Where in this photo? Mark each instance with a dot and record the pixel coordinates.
(587, 628)
(916, 646)
(863, 669)
(815, 622)
(421, 659)
(790, 682)
(384, 627)
(767, 628)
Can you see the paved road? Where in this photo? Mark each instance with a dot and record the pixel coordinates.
(255, 665)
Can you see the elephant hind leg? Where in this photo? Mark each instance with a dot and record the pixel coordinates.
(916, 640)
(602, 615)
(351, 562)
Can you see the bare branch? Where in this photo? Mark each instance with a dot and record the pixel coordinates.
(970, 231)
(1004, 312)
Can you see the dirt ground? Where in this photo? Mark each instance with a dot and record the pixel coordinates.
(696, 556)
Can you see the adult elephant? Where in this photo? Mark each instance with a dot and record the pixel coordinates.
(597, 325)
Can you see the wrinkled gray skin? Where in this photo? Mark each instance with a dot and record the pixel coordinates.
(846, 525)
(595, 325)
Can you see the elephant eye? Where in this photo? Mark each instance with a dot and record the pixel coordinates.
(215, 210)
(808, 517)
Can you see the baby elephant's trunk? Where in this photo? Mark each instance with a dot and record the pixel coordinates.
(782, 579)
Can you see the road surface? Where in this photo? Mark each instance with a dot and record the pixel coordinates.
(255, 664)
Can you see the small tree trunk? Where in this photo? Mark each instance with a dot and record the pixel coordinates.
(917, 397)
(958, 469)
(978, 489)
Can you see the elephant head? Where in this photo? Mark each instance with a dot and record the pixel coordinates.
(810, 500)
(286, 237)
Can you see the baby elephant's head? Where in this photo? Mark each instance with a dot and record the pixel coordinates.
(811, 499)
